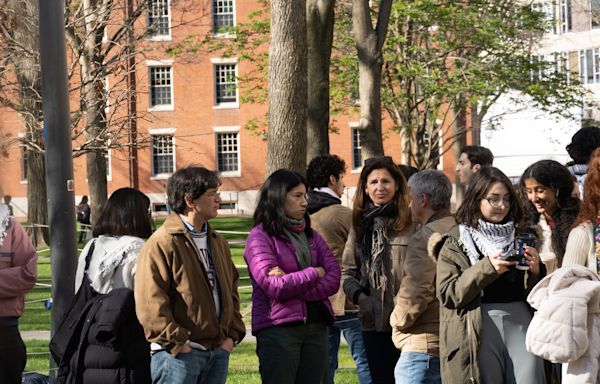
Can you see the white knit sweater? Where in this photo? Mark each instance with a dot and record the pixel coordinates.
(580, 247)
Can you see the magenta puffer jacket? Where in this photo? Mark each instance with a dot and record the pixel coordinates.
(279, 300)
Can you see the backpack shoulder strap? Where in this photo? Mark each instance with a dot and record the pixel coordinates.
(88, 257)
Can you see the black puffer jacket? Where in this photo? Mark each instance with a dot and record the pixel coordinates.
(108, 345)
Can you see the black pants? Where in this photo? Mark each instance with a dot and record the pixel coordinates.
(12, 355)
(382, 356)
(292, 354)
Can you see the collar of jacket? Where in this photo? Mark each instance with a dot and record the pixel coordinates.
(174, 225)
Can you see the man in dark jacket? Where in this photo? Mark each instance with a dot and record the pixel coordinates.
(332, 220)
(186, 286)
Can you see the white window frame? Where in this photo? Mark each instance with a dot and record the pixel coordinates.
(226, 61)
(23, 165)
(592, 26)
(161, 107)
(564, 12)
(229, 130)
(160, 37)
(583, 65)
(162, 132)
(108, 156)
(354, 128)
(216, 33)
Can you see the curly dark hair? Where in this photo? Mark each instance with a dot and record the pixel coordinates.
(191, 181)
(321, 167)
(583, 144)
(557, 178)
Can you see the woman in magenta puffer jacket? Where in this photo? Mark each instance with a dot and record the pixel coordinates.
(293, 273)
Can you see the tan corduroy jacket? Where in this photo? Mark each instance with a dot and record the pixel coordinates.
(174, 300)
(416, 316)
(333, 223)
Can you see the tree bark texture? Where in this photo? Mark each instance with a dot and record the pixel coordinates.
(20, 26)
(319, 20)
(287, 86)
(369, 42)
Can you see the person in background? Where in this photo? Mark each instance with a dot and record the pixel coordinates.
(186, 286)
(118, 237)
(483, 313)
(18, 274)
(470, 161)
(332, 220)
(83, 217)
(415, 319)
(551, 209)
(293, 273)
(583, 244)
(581, 147)
(372, 259)
(7, 200)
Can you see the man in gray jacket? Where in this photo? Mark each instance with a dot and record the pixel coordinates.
(415, 319)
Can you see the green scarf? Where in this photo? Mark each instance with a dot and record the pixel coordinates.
(294, 230)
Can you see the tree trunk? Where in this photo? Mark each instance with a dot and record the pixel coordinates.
(21, 24)
(287, 86)
(319, 20)
(460, 129)
(369, 43)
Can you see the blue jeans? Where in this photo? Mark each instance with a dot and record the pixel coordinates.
(417, 368)
(195, 367)
(349, 326)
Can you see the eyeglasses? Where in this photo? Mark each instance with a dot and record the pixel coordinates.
(384, 159)
(497, 201)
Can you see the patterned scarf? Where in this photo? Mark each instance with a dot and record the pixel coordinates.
(4, 221)
(294, 230)
(374, 245)
(597, 242)
(488, 238)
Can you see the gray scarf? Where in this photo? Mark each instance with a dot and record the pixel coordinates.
(294, 230)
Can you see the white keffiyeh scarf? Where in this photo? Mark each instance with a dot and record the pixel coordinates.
(488, 238)
(4, 221)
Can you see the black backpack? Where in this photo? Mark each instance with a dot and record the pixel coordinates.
(67, 327)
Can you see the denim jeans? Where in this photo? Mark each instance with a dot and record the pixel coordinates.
(195, 367)
(349, 326)
(417, 368)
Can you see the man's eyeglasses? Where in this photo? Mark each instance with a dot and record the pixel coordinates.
(497, 201)
(384, 159)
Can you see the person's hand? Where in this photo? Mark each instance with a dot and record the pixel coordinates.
(499, 264)
(533, 258)
(276, 271)
(228, 344)
(321, 271)
(186, 348)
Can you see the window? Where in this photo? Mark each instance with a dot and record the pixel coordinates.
(223, 16)
(549, 11)
(161, 87)
(589, 66)
(595, 13)
(163, 155)
(158, 18)
(107, 157)
(356, 155)
(226, 90)
(557, 15)
(546, 65)
(228, 151)
(565, 16)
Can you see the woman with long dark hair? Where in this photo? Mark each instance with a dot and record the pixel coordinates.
(483, 313)
(293, 273)
(550, 208)
(372, 260)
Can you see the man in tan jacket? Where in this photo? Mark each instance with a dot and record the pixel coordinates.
(332, 220)
(415, 319)
(186, 286)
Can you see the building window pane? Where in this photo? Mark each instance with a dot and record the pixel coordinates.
(595, 13)
(225, 83)
(565, 15)
(228, 152)
(356, 155)
(160, 86)
(162, 154)
(158, 17)
(223, 15)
